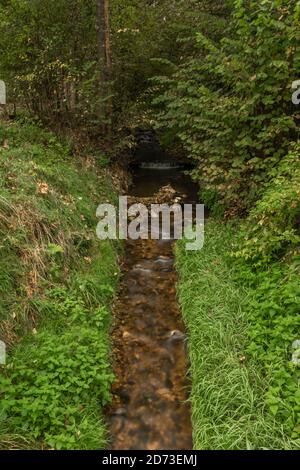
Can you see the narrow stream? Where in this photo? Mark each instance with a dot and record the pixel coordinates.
(150, 409)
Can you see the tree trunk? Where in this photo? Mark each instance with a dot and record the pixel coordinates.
(104, 56)
(107, 38)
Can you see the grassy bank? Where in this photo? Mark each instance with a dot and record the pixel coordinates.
(227, 310)
(57, 282)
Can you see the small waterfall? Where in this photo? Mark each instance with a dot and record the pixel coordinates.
(160, 165)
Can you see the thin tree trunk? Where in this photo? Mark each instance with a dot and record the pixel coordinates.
(100, 31)
(107, 37)
(104, 56)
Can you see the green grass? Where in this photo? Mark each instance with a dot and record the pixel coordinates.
(57, 281)
(228, 387)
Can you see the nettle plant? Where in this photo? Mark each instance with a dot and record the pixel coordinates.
(38, 386)
(273, 315)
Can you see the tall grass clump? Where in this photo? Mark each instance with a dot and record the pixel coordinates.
(228, 386)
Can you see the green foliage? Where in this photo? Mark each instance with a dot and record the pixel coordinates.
(47, 57)
(230, 106)
(230, 102)
(223, 92)
(146, 36)
(209, 198)
(50, 59)
(272, 228)
(57, 282)
(49, 54)
(254, 316)
(273, 314)
(232, 381)
(49, 383)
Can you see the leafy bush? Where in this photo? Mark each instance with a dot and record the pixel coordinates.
(272, 228)
(273, 314)
(49, 382)
(230, 102)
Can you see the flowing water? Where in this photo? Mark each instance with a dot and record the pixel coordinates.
(150, 409)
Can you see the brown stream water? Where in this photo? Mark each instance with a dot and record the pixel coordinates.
(150, 409)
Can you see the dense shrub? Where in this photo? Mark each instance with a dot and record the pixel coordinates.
(230, 104)
(272, 228)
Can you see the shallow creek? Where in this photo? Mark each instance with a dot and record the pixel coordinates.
(150, 409)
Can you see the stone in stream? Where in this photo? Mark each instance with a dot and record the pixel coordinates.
(120, 412)
(164, 261)
(176, 336)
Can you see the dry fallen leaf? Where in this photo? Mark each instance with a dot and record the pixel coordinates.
(42, 188)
